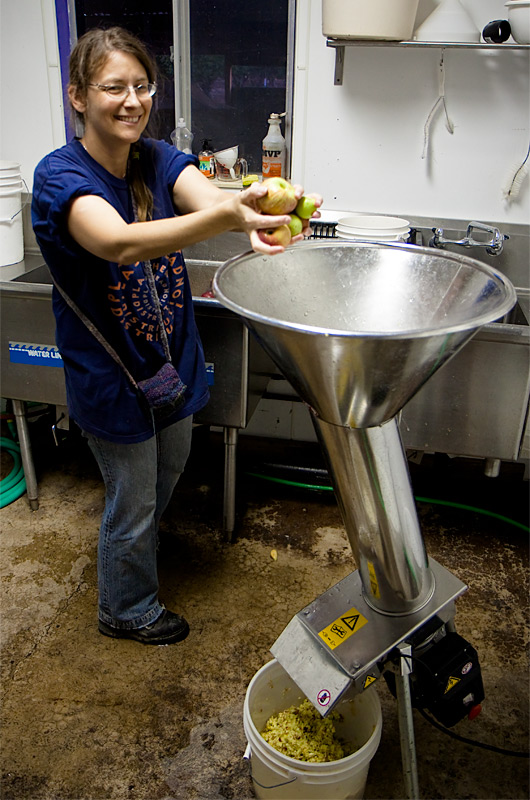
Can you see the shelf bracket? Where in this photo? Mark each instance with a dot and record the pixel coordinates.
(339, 64)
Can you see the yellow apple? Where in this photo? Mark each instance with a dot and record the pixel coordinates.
(280, 197)
(276, 236)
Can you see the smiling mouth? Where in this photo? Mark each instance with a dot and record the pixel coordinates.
(129, 120)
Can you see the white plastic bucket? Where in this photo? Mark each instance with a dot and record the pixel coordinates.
(11, 229)
(278, 777)
(369, 19)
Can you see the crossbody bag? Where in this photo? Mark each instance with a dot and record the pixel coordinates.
(164, 392)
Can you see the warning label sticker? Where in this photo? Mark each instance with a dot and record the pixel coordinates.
(369, 680)
(451, 683)
(342, 628)
(374, 585)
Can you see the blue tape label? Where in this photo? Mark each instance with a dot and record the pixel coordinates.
(210, 373)
(45, 355)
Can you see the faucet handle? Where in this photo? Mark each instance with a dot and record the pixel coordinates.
(493, 247)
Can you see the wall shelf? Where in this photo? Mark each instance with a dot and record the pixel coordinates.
(341, 44)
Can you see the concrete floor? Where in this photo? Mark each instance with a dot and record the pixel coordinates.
(85, 717)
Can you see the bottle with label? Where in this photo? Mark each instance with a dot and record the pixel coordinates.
(273, 149)
(182, 137)
(206, 161)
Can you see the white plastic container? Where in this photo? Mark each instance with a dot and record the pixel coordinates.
(519, 19)
(278, 777)
(449, 22)
(370, 224)
(369, 19)
(11, 229)
(273, 150)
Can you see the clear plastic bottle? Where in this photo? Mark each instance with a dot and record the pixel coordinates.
(182, 137)
(206, 160)
(273, 149)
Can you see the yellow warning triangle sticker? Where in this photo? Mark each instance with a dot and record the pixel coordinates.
(369, 680)
(351, 621)
(451, 683)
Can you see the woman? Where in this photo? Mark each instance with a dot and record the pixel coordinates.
(111, 211)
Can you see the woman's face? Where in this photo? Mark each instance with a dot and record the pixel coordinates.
(115, 120)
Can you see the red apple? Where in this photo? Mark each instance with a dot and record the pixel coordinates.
(276, 236)
(295, 225)
(280, 197)
(306, 207)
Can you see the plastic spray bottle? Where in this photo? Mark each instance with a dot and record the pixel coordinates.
(273, 149)
(182, 137)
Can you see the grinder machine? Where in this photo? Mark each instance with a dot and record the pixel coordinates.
(357, 329)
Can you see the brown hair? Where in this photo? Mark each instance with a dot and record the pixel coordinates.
(88, 56)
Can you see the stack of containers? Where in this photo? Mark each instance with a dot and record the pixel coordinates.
(367, 228)
(11, 231)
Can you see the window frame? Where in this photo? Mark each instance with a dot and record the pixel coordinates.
(67, 37)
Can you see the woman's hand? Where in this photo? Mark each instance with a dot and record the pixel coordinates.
(254, 221)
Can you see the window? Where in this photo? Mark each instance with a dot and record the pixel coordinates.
(239, 72)
(224, 65)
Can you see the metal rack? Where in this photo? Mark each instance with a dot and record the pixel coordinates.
(341, 44)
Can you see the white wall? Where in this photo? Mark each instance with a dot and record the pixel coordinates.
(360, 144)
(31, 107)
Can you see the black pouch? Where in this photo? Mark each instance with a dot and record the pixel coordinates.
(164, 392)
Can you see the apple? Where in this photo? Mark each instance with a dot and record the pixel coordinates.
(276, 236)
(280, 197)
(295, 225)
(306, 207)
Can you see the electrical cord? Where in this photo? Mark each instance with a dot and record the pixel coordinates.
(429, 500)
(452, 734)
(472, 742)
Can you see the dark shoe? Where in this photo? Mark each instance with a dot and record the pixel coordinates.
(168, 628)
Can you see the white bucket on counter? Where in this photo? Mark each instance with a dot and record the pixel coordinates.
(11, 230)
(279, 777)
(369, 19)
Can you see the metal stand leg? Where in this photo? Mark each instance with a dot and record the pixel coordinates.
(406, 724)
(25, 452)
(229, 500)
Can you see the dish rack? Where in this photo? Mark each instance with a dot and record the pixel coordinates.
(322, 230)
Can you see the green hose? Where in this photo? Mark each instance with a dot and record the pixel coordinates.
(14, 484)
(429, 500)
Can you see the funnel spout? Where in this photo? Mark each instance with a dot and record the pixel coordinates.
(373, 490)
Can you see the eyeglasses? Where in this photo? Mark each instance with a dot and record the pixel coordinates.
(142, 90)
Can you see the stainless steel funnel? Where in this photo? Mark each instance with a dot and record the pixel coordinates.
(357, 329)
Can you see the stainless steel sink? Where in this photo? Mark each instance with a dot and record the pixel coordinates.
(238, 368)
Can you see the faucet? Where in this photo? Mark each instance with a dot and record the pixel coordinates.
(493, 247)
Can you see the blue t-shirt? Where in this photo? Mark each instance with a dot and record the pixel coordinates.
(116, 297)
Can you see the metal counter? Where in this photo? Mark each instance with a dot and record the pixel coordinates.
(238, 368)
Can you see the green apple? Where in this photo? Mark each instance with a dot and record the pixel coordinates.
(295, 225)
(306, 207)
(276, 236)
(280, 197)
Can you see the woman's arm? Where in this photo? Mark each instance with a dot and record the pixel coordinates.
(206, 212)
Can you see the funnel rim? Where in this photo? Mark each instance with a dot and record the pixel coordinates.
(411, 333)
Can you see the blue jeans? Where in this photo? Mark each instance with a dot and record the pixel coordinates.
(139, 481)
